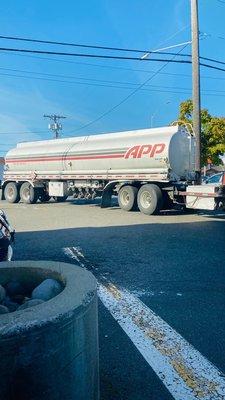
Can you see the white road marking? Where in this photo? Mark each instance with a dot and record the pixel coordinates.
(186, 373)
(72, 253)
(141, 293)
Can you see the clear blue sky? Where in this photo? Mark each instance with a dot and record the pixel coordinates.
(85, 95)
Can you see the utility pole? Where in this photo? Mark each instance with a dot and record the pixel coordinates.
(56, 126)
(196, 88)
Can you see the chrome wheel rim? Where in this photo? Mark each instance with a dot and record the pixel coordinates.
(26, 194)
(125, 198)
(146, 199)
(10, 192)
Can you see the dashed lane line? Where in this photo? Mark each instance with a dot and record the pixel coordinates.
(186, 373)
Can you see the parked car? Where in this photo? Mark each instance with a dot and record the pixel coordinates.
(214, 179)
(7, 235)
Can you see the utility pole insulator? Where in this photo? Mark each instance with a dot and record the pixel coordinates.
(56, 126)
(196, 88)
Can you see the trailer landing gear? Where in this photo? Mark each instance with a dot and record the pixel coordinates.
(60, 199)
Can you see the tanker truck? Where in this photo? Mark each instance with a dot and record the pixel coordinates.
(148, 169)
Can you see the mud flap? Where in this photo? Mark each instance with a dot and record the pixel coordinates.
(106, 198)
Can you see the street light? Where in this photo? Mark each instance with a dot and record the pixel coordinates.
(156, 112)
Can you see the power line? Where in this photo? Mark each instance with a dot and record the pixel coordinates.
(93, 55)
(67, 77)
(86, 45)
(124, 99)
(100, 65)
(98, 85)
(23, 133)
(139, 88)
(212, 67)
(110, 66)
(97, 47)
(111, 84)
(149, 88)
(71, 82)
(94, 65)
(127, 97)
(110, 48)
(113, 57)
(212, 60)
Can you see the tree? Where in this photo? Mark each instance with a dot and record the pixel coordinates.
(212, 133)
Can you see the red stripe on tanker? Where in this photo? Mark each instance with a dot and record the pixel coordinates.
(49, 158)
(133, 152)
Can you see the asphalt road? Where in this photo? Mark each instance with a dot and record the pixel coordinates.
(174, 263)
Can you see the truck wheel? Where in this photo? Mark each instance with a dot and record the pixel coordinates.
(28, 193)
(11, 193)
(127, 198)
(150, 199)
(60, 199)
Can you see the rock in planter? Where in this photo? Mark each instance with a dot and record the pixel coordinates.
(11, 305)
(30, 303)
(14, 288)
(2, 293)
(3, 309)
(48, 289)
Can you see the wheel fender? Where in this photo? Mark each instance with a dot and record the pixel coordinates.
(107, 194)
(33, 184)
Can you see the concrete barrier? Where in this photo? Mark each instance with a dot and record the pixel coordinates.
(50, 351)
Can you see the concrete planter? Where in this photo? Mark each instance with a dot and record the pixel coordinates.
(50, 351)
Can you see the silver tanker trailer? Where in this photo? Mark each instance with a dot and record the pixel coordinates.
(149, 169)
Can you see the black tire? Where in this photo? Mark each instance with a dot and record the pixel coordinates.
(60, 199)
(127, 198)
(28, 193)
(11, 193)
(150, 199)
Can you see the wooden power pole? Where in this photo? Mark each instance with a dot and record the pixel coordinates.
(196, 87)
